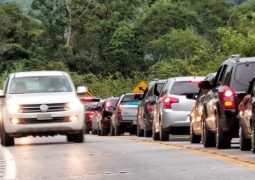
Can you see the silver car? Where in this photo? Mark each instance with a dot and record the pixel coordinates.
(173, 106)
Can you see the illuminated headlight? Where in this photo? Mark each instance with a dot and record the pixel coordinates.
(73, 105)
(13, 108)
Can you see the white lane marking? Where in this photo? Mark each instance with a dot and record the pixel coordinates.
(10, 171)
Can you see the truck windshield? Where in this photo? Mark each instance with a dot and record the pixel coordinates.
(243, 75)
(39, 84)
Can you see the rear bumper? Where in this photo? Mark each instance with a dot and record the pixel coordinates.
(230, 122)
(172, 118)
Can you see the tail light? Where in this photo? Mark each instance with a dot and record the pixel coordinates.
(119, 111)
(168, 101)
(91, 114)
(150, 108)
(228, 98)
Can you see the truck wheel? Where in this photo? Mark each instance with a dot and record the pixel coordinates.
(223, 140)
(155, 135)
(245, 144)
(139, 132)
(147, 133)
(253, 138)
(78, 138)
(103, 130)
(208, 137)
(6, 140)
(193, 137)
(163, 135)
(69, 138)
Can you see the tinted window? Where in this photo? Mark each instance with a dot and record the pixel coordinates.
(130, 99)
(184, 87)
(113, 102)
(40, 84)
(91, 106)
(243, 75)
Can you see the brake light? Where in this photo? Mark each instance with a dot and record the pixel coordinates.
(91, 114)
(228, 98)
(168, 101)
(150, 108)
(119, 111)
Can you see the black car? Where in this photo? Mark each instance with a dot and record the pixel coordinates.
(220, 108)
(104, 122)
(147, 106)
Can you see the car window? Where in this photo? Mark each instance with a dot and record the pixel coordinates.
(91, 106)
(244, 73)
(39, 84)
(159, 86)
(130, 99)
(113, 102)
(184, 87)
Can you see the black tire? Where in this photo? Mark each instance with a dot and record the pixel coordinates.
(147, 133)
(87, 130)
(193, 137)
(163, 135)
(117, 130)
(69, 138)
(79, 137)
(223, 140)
(103, 130)
(208, 137)
(139, 132)
(245, 144)
(155, 135)
(6, 140)
(253, 137)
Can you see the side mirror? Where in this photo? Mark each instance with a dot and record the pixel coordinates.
(82, 90)
(205, 85)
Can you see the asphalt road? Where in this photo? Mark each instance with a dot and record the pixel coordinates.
(127, 157)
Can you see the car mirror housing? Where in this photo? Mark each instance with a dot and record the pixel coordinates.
(82, 90)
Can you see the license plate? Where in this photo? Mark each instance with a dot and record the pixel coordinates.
(44, 117)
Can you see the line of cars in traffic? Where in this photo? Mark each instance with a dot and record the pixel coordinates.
(212, 109)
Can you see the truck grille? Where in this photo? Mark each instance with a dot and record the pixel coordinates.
(33, 108)
(36, 121)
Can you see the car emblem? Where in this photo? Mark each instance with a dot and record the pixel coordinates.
(44, 108)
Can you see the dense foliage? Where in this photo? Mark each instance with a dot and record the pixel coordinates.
(111, 45)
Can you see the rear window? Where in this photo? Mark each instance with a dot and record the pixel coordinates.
(130, 99)
(91, 106)
(184, 88)
(243, 75)
(113, 102)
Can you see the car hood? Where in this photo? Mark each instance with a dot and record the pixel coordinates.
(41, 98)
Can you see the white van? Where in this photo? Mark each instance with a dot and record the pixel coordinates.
(41, 103)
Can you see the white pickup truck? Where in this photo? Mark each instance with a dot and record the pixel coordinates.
(41, 103)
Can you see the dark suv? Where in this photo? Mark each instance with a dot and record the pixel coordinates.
(104, 123)
(220, 109)
(147, 106)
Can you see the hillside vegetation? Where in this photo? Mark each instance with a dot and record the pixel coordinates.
(111, 45)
